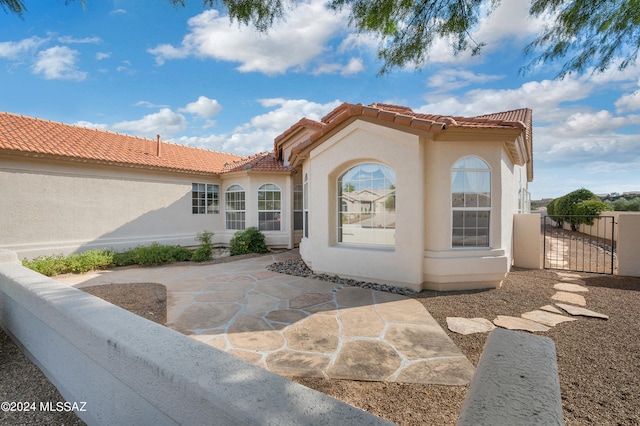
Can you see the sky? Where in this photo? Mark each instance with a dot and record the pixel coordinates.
(144, 67)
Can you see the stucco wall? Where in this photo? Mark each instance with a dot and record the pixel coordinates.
(363, 142)
(131, 371)
(65, 207)
(628, 261)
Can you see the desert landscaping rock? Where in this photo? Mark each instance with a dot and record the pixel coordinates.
(546, 318)
(575, 288)
(469, 325)
(578, 311)
(569, 275)
(515, 323)
(565, 296)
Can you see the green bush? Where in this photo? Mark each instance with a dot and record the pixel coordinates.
(590, 208)
(75, 263)
(251, 240)
(156, 254)
(205, 251)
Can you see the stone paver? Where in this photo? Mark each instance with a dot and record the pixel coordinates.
(297, 326)
(515, 323)
(546, 318)
(570, 287)
(551, 308)
(575, 310)
(469, 325)
(564, 296)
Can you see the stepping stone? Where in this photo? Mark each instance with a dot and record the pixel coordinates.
(550, 308)
(546, 318)
(469, 325)
(568, 275)
(577, 311)
(515, 323)
(570, 287)
(576, 299)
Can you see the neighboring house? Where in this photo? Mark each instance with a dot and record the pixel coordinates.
(376, 192)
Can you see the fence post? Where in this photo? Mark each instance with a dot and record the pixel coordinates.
(628, 245)
(526, 241)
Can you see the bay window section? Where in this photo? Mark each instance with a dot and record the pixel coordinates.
(470, 202)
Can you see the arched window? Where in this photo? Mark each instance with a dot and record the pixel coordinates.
(367, 205)
(470, 202)
(269, 212)
(298, 207)
(235, 207)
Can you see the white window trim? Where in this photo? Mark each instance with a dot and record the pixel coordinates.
(215, 190)
(474, 209)
(226, 219)
(279, 211)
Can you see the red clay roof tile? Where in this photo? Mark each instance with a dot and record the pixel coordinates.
(32, 136)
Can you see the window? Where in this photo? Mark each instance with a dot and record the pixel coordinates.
(305, 205)
(298, 207)
(205, 198)
(235, 207)
(470, 202)
(269, 212)
(367, 205)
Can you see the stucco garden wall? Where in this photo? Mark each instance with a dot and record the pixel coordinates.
(401, 151)
(66, 207)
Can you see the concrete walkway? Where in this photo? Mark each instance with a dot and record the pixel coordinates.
(296, 326)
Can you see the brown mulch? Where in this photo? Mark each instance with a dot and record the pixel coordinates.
(598, 359)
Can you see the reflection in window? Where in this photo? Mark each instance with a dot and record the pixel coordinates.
(298, 207)
(269, 207)
(470, 202)
(305, 205)
(235, 207)
(367, 205)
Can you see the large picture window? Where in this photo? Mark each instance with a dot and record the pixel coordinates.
(470, 202)
(367, 205)
(235, 207)
(205, 198)
(269, 212)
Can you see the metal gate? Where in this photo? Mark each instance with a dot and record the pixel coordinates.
(579, 243)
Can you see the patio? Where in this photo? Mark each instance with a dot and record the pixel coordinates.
(302, 327)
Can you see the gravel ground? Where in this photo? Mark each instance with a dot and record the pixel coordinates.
(598, 360)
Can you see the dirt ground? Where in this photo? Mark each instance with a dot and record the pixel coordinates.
(598, 359)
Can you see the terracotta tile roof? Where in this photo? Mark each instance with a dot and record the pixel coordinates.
(303, 123)
(262, 162)
(35, 137)
(403, 116)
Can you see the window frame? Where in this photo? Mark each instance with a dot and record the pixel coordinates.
(473, 208)
(205, 198)
(270, 207)
(305, 205)
(235, 215)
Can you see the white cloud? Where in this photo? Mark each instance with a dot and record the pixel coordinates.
(629, 102)
(203, 107)
(354, 66)
(86, 40)
(14, 49)
(58, 63)
(258, 134)
(90, 125)
(164, 122)
(103, 55)
(452, 79)
(118, 12)
(293, 43)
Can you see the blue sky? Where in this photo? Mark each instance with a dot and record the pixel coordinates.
(143, 67)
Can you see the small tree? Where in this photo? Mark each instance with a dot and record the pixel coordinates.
(566, 208)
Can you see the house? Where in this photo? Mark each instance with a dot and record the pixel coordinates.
(377, 192)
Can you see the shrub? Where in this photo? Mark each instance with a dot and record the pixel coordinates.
(251, 240)
(74, 263)
(156, 254)
(205, 251)
(590, 208)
